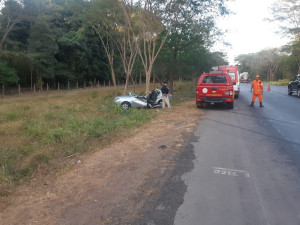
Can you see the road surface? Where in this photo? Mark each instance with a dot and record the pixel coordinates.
(244, 167)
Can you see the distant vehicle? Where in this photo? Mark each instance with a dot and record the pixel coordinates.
(233, 72)
(213, 88)
(244, 77)
(154, 100)
(294, 86)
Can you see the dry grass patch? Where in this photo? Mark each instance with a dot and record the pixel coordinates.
(43, 131)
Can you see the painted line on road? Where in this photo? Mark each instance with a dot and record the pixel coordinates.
(230, 172)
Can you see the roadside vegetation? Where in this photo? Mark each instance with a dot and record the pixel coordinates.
(51, 44)
(280, 82)
(40, 134)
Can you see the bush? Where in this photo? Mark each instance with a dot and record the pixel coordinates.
(8, 75)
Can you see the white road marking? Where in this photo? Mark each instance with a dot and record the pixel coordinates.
(230, 172)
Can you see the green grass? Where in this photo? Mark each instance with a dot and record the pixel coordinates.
(279, 82)
(43, 130)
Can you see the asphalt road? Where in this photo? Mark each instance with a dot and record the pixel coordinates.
(245, 168)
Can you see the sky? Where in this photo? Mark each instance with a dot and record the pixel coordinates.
(247, 30)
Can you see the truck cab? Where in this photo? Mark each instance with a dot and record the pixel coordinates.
(233, 72)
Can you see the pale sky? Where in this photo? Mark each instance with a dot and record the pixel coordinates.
(247, 30)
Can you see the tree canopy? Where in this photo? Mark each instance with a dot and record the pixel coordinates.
(104, 40)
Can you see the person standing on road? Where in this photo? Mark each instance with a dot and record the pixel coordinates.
(258, 90)
(165, 91)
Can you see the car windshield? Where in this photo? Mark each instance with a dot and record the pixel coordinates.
(214, 79)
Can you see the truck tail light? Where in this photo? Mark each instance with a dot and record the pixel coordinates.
(228, 93)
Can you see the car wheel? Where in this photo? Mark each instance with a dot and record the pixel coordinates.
(289, 91)
(125, 105)
(199, 105)
(230, 105)
(298, 92)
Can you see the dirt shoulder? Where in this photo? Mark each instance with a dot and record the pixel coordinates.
(111, 185)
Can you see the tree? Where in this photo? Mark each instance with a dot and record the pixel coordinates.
(10, 15)
(194, 30)
(287, 67)
(184, 41)
(102, 18)
(42, 49)
(8, 75)
(287, 14)
(295, 50)
(264, 63)
(216, 59)
(188, 59)
(151, 29)
(113, 30)
(159, 19)
(270, 59)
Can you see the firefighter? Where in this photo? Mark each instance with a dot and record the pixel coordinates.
(258, 90)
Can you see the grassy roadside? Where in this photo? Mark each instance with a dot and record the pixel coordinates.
(279, 82)
(42, 132)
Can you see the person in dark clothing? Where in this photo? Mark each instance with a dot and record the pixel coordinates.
(165, 91)
(151, 99)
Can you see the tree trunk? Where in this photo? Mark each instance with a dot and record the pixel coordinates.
(110, 56)
(153, 81)
(148, 78)
(126, 84)
(140, 79)
(111, 63)
(173, 72)
(31, 78)
(9, 26)
(113, 76)
(298, 62)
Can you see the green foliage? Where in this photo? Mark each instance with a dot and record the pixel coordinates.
(42, 48)
(280, 82)
(53, 41)
(270, 64)
(10, 116)
(8, 75)
(10, 15)
(287, 68)
(35, 129)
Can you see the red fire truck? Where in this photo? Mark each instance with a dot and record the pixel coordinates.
(233, 72)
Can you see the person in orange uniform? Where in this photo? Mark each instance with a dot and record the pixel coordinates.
(258, 90)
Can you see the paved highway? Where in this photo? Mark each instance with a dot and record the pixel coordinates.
(247, 164)
(245, 170)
